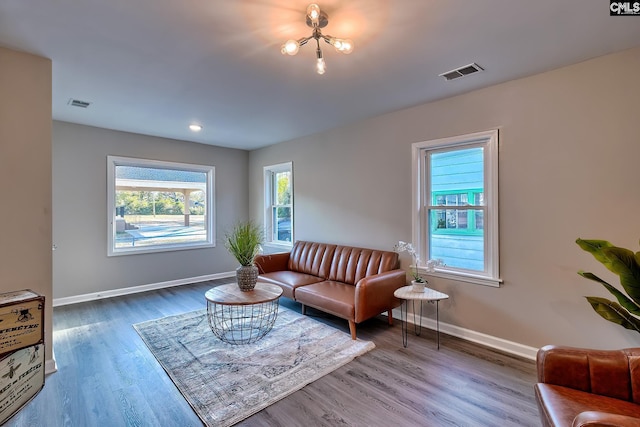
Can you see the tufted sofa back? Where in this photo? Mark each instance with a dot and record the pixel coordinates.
(341, 263)
(612, 373)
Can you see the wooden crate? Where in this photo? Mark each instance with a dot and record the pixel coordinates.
(21, 378)
(21, 320)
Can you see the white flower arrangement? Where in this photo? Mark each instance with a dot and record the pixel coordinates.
(430, 266)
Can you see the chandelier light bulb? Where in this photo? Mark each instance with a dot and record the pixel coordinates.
(313, 12)
(321, 67)
(346, 46)
(291, 47)
(342, 45)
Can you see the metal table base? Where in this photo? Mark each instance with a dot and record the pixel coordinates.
(407, 294)
(417, 326)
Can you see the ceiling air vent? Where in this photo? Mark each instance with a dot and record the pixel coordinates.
(78, 103)
(462, 71)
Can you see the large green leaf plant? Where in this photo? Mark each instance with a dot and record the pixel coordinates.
(626, 264)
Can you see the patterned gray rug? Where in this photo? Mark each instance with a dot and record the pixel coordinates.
(226, 383)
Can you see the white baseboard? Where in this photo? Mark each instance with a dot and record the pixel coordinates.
(50, 366)
(507, 346)
(57, 302)
(478, 337)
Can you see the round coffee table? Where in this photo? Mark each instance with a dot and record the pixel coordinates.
(242, 317)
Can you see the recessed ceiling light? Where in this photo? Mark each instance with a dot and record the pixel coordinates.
(195, 128)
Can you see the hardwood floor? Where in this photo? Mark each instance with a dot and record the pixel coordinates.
(107, 376)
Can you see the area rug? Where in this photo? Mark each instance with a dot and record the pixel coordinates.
(225, 383)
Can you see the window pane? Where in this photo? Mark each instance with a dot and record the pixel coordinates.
(457, 237)
(158, 208)
(282, 224)
(462, 249)
(282, 187)
(457, 171)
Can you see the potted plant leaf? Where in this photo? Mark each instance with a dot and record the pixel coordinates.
(626, 265)
(244, 243)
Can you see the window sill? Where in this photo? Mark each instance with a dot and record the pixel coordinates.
(463, 277)
(272, 247)
(155, 249)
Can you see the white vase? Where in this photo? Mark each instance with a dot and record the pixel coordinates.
(417, 286)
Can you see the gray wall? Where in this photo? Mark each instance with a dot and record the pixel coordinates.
(569, 150)
(25, 177)
(80, 262)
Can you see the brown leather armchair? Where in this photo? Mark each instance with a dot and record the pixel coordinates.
(584, 387)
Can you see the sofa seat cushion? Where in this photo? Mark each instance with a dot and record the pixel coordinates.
(335, 298)
(560, 405)
(289, 281)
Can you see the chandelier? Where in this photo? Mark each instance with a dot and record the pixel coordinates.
(317, 20)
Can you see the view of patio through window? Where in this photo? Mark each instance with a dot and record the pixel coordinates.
(156, 207)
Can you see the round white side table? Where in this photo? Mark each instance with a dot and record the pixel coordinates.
(407, 294)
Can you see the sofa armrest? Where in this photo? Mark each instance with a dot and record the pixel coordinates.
(603, 372)
(604, 419)
(272, 262)
(374, 294)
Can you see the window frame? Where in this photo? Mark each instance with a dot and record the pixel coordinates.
(269, 196)
(422, 198)
(114, 161)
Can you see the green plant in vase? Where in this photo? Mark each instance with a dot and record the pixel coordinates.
(626, 265)
(244, 243)
(418, 281)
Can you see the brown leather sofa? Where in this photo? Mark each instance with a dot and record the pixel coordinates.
(583, 387)
(352, 283)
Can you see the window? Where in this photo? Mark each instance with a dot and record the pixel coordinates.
(155, 206)
(456, 206)
(278, 202)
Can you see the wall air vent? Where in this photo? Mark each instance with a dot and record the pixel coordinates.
(462, 71)
(78, 103)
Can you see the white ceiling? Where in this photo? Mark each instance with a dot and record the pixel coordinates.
(154, 66)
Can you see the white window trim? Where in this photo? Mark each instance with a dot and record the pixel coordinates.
(268, 195)
(113, 161)
(420, 191)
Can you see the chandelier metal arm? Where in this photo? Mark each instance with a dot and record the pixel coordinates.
(304, 40)
(327, 38)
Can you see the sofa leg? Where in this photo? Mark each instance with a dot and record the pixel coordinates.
(352, 329)
(390, 317)
(304, 310)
